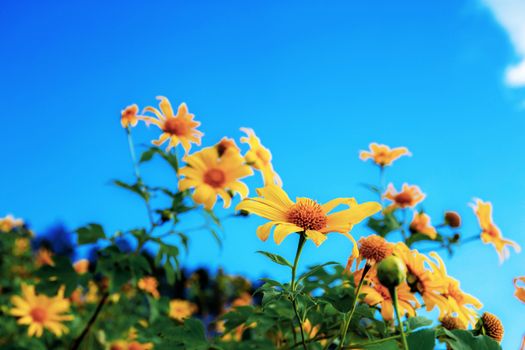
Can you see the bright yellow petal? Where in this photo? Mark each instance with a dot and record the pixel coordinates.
(283, 230)
(316, 236)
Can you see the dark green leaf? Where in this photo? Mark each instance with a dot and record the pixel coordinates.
(90, 233)
(276, 258)
(424, 339)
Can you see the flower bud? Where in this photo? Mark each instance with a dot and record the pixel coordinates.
(391, 272)
(452, 219)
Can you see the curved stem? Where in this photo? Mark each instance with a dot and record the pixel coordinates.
(80, 338)
(393, 294)
(348, 316)
(302, 240)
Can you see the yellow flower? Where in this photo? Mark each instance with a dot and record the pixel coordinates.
(382, 155)
(181, 309)
(128, 116)
(244, 299)
(305, 215)
(179, 128)
(377, 294)
(82, 266)
(421, 223)
(8, 223)
(520, 289)
(212, 175)
(490, 233)
(409, 196)
(149, 284)
(373, 249)
(260, 158)
(224, 144)
(21, 246)
(41, 312)
(44, 257)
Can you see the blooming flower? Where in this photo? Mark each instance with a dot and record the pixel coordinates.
(128, 116)
(382, 155)
(305, 215)
(520, 288)
(377, 294)
(409, 196)
(179, 128)
(181, 309)
(149, 284)
(81, 266)
(213, 176)
(490, 233)
(260, 158)
(41, 312)
(373, 249)
(8, 223)
(421, 223)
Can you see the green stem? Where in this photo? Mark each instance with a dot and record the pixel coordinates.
(373, 342)
(302, 240)
(393, 294)
(348, 316)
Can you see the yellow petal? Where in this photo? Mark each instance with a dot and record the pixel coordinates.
(283, 230)
(316, 236)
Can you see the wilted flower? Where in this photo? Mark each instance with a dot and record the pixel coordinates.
(260, 158)
(382, 155)
(409, 196)
(181, 309)
(421, 223)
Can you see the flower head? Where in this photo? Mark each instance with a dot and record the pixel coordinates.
(452, 322)
(149, 284)
(81, 266)
(421, 223)
(409, 196)
(305, 215)
(177, 128)
(128, 116)
(519, 284)
(212, 175)
(260, 158)
(181, 309)
(492, 326)
(374, 248)
(383, 155)
(8, 223)
(490, 233)
(41, 312)
(452, 219)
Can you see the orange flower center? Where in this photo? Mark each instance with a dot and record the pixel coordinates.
(176, 126)
(215, 178)
(403, 198)
(39, 314)
(307, 214)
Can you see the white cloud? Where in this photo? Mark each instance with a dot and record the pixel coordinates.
(511, 15)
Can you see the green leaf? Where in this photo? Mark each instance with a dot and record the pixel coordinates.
(168, 157)
(135, 188)
(465, 340)
(276, 258)
(384, 225)
(90, 233)
(387, 345)
(60, 274)
(414, 323)
(314, 269)
(424, 339)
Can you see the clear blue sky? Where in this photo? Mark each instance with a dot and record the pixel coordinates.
(317, 82)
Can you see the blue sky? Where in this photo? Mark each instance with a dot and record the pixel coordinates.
(317, 81)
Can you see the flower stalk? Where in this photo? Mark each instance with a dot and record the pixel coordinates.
(293, 286)
(393, 294)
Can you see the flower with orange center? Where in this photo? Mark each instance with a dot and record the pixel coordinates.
(181, 309)
(490, 233)
(179, 128)
(41, 312)
(421, 224)
(383, 155)
(260, 158)
(129, 117)
(82, 266)
(149, 284)
(409, 196)
(212, 175)
(373, 249)
(492, 326)
(519, 284)
(305, 215)
(8, 223)
(452, 322)
(44, 257)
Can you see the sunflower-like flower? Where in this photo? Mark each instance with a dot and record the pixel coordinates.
(181, 309)
(409, 196)
(519, 284)
(452, 322)
(305, 215)
(178, 128)
(212, 175)
(490, 233)
(373, 249)
(383, 155)
(260, 158)
(129, 116)
(8, 223)
(492, 326)
(421, 223)
(149, 284)
(41, 312)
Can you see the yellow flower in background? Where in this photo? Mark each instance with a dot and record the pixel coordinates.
(41, 312)
(149, 284)
(409, 196)
(177, 128)
(181, 309)
(519, 284)
(378, 295)
(21, 246)
(421, 223)
(225, 144)
(212, 176)
(8, 223)
(81, 266)
(44, 257)
(383, 155)
(490, 233)
(260, 158)
(129, 117)
(305, 215)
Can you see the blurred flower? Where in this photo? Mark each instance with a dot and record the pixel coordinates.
(128, 116)
(452, 219)
(224, 144)
(244, 299)
(41, 312)
(309, 329)
(149, 284)
(492, 326)
(490, 233)
(382, 155)
(410, 196)
(81, 266)
(377, 294)
(44, 257)
(8, 223)
(92, 293)
(520, 289)
(305, 215)
(21, 246)
(181, 309)
(260, 158)
(452, 322)
(421, 223)
(213, 176)
(179, 128)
